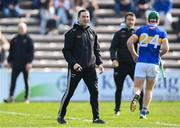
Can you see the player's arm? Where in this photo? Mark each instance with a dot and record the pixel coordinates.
(130, 44)
(164, 47)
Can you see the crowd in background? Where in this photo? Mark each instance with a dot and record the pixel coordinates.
(57, 14)
(141, 8)
(61, 14)
(53, 13)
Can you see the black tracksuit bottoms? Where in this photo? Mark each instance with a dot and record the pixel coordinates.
(14, 75)
(89, 76)
(120, 74)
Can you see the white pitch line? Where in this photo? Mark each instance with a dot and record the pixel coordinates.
(167, 124)
(85, 120)
(72, 118)
(39, 115)
(23, 114)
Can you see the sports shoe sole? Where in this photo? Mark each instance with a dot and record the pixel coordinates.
(117, 113)
(133, 104)
(143, 117)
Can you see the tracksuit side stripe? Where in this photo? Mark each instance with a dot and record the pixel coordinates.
(67, 91)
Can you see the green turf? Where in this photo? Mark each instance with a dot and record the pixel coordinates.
(162, 114)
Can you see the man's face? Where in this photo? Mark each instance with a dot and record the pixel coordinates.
(130, 21)
(84, 18)
(154, 22)
(22, 29)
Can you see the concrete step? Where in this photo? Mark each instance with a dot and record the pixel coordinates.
(49, 64)
(25, 4)
(110, 3)
(41, 38)
(60, 38)
(55, 46)
(14, 29)
(15, 21)
(111, 13)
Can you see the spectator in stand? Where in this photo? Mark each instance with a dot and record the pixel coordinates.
(77, 6)
(1, 7)
(176, 27)
(142, 7)
(36, 4)
(4, 46)
(48, 17)
(123, 6)
(11, 8)
(91, 6)
(164, 8)
(63, 12)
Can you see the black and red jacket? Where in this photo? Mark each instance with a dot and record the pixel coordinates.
(81, 46)
(118, 48)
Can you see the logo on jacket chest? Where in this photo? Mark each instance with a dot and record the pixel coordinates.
(24, 41)
(125, 34)
(78, 35)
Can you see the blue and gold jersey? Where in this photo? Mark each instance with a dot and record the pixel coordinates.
(150, 40)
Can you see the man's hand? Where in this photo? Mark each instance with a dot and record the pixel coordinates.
(7, 65)
(115, 63)
(77, 67)
(135, 57)
(28, 66)
(101, 68)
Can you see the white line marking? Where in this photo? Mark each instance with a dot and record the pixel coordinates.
(39, 115)
(85, 120)
(167, 124)
(66, 92)
(24, 114)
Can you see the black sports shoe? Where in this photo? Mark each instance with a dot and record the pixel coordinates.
(147, 112)
(9, 100)
(134, 103)
(61, 121)
(98, 121)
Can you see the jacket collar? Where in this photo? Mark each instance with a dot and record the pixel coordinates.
(77, 25)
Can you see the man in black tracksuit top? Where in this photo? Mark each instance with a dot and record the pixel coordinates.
(21, 54)
(121, 58)
(82, 52)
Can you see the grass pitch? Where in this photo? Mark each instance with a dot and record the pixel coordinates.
(162, 114)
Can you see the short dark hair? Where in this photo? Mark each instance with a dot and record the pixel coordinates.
(129, 14)
(82, 10)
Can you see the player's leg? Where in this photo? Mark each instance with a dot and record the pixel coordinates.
(139, 79)
(26, 75)
(147, 98)
(91, 80)
(131, 74)
(119, 76)
(141, 99)
(152, 74)
(138, 85)
(73, 80)
(14, 76)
